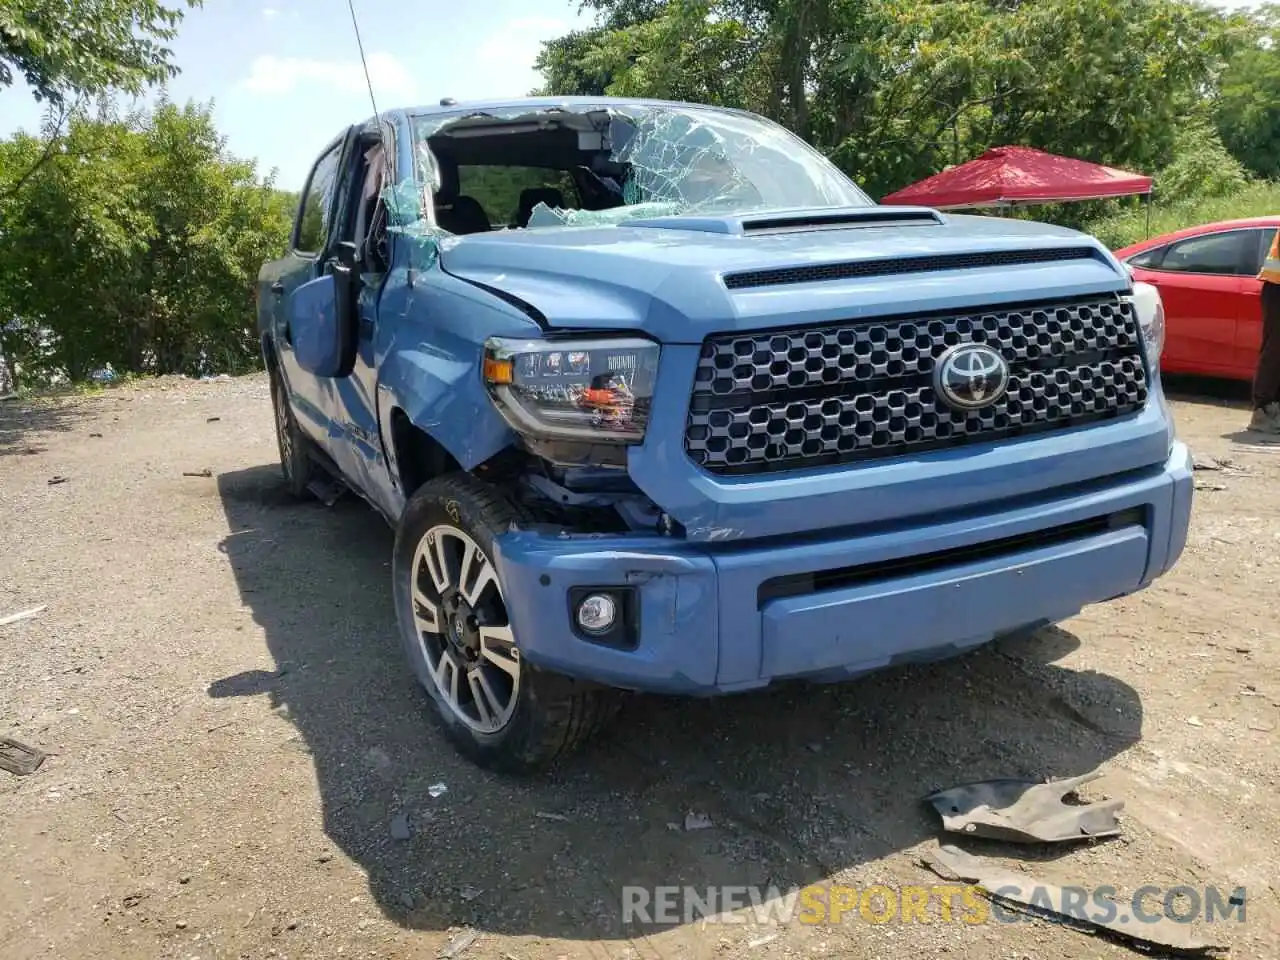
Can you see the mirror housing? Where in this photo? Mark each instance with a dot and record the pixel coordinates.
(322, 324)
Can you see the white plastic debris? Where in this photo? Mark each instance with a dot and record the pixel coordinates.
(697, 821)
(437, 790)
(22, 615)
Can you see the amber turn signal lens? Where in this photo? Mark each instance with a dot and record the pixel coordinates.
(498, 371)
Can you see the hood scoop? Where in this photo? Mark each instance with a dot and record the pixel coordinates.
(797, 221)
(894, 266)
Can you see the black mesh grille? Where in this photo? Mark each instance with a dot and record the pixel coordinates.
(787, 399)
(900, 265)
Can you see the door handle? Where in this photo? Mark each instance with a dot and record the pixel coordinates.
(277, 288)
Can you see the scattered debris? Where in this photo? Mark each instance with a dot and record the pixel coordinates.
(406, 900)
(18, 758)
(327, 490)
(54, 481)
(468, 892)
(1043, 899)
(551, 816)
(184, 879)
(437, 790)
(460, 942)
(22, 615)
(181, 924)
(761, 941)
(206, 472)
(1195, 722)
(132, 900)
(98, 435)
(1211, 463)
(1025, 811)
(1210, 487)
(324, 857)
(213, 419)
(1262, 726)
(697, 821)
(400, 827)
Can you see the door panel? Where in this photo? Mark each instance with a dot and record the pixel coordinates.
(311, 236)
(361, 457)
(1200, 282)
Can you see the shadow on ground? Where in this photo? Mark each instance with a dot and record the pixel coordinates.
(799, 783)
(22, 420)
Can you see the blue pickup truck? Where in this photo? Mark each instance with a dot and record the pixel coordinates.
(656, 399)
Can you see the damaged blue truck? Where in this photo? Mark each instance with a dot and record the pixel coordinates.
(657, 399)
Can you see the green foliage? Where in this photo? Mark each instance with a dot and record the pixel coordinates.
(1201, 168)
(1248, 106)
(894, 90)
(1130, 225)
(136, 244)
(66, 49)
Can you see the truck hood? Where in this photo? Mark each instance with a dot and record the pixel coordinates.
(678, 279)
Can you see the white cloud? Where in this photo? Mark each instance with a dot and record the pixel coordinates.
(269, 13)
(505, 57)
(272, 75)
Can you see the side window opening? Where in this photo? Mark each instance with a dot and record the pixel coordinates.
(1263, 246)
(1150, 259)
(368, 229)
(314, 219)
(1219, 254)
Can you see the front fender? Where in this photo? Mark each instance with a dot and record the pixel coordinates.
(430, 369)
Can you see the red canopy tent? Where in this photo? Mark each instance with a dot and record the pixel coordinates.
(1008, 176)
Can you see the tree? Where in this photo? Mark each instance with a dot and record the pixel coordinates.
(1248, 107)
(137, 244)
(66, 49)
(894, 90)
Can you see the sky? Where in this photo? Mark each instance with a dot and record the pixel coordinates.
(285, 75)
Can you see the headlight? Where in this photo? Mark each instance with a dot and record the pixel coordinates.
(593, 390)
(1150, 309)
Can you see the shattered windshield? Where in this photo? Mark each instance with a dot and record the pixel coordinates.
(608, 164)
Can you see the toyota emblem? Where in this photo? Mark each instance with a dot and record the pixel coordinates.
(971, 376)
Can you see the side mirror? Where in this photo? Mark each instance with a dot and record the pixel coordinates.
(323, 332)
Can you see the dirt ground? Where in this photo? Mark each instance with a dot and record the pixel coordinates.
(236, 745)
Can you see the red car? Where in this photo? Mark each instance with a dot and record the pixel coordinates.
(1208, 279)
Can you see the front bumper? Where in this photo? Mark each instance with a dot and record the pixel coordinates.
(717, 619)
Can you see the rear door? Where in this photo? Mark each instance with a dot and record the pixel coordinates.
(1200, 281)
(1249, 305)
(312, 234)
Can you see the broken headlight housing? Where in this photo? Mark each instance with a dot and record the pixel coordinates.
(597, 390)
(1150, 310)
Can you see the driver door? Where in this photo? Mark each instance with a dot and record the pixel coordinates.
(361, 457)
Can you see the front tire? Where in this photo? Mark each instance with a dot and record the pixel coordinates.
(499, 711)
(295, 460)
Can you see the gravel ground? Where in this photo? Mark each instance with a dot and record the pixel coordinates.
(237, 751)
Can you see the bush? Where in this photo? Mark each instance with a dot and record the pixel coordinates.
(1255, 200)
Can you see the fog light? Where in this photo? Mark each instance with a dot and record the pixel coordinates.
(596, 613)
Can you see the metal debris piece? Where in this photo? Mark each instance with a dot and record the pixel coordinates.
(18, 758)
(22, 615)
(212, 419)
(54, 481)
(1024, 811)
(1210, 487)
(1036, 897)
(326, 490)
(206, 472)
(460, 942)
